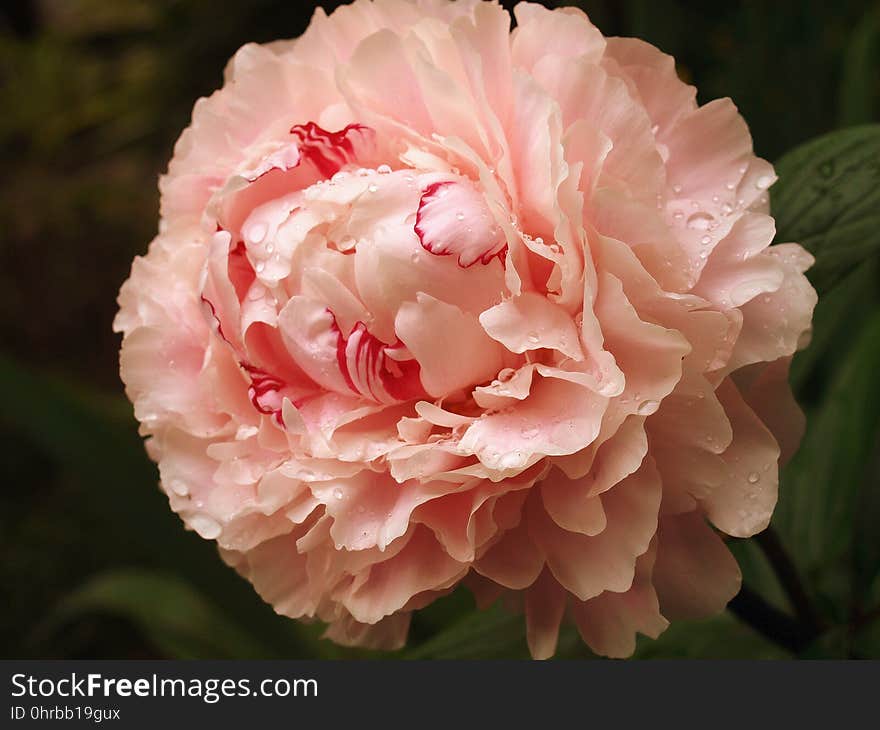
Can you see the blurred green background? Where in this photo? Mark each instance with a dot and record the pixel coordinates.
(94, 564)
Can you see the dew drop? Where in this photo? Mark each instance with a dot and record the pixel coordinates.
(383, 169)
(459, 216)
(533, 337)
(529, 432)
(646, 408)
(700, 221)
(339, 176)
(337, 493)
(511, 460)
(754, 477)
(678, 215)
(706, 240)
(260, 266)
(676, 189)
(363, 172)
(178, 487)
(763, 182)
(258, 232)
(206, 526)
(372, 187)
(506, 374)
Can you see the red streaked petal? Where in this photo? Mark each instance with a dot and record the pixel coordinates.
(329, 152)
(454, 220)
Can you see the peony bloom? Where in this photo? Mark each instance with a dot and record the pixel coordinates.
(437, 302)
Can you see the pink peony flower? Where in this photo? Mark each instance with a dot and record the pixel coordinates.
(433, 302)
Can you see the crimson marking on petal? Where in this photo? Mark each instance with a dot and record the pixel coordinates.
(331, 151)
(453, 219)
(371, 371)
(340, 352)
(265, 392)
(212, 312)
(241, 273)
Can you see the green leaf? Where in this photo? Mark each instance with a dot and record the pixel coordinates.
(828, 199)
(858, 85)
(490, 634)
(179, 621)
(821, 485)
(866, 551)
(853, 301)
(101, 455)
(719, 637)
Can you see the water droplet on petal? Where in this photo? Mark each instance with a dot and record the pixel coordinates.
(206, 526)
(533, 337)
(700, 221)
(259, 267)
(646, 408)
(506, 374)
(763, 182)
(459, 216)
(383, 169)
(529, 431)
(257, 232)
(754, 477)
(372, 187)
(337, 493)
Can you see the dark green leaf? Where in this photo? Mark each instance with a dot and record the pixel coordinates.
(178, 620)
(858, 85)
(115, 488)
(853, 302)
(821, 485)
(490, 634)
(828, 199)
(719, 637)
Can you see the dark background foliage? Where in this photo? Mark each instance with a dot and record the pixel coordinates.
(93, 564)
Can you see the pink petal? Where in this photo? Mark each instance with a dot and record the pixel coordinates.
(586, 566)
(741, 505)
(695, 575)
(453, 220)
(609, 622)
(545, 605)
(531, 322)
(437, 333)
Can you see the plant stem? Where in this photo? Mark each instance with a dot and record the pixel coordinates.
(787, 573)
(770, 622)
